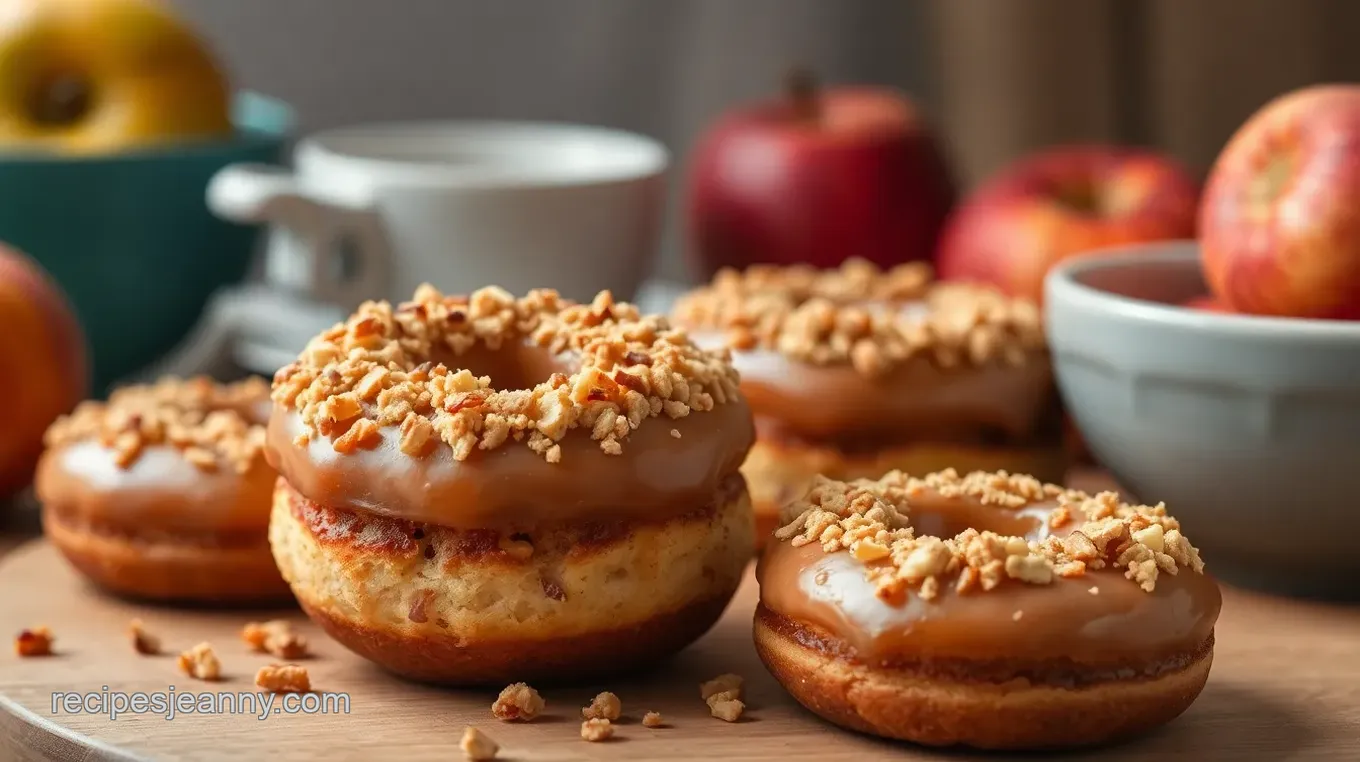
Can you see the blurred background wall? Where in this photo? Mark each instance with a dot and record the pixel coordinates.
(1002, 77)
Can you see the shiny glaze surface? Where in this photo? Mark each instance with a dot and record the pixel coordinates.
(1059, 621)
(160, 490)
(657, 475)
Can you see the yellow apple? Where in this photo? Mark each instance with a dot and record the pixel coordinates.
(97, 76)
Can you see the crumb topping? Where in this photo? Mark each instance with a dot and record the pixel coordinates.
(517, 702)
(381, 368)
(597, 730)
(275, 637)
(283, 678)
(478, 746)
(34, 642)
(860, 315)
(870, 521)
(201, 662)
(211, 425)
(605, 706)
(143, 642)
(653, 720)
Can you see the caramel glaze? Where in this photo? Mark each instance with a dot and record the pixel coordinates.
(827, 596)
(657, 475)
(917, 401)
(160, 491)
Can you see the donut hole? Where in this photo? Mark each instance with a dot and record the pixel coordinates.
(513, 366)
(59, 98)
(946, 519)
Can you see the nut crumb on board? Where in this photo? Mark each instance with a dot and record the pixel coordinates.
(34, 642)
(517, 702)
(652, 720)
(726, 706)
(478, 746)
(143, 642)
(201, 662)
(597, 730)
(605, 706)
(726, 683)
(283, 678)
(275, 637)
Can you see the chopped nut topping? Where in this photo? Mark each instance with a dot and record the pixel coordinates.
(517, 702)
(200, 662)
(478, 746)
(211, 425)
(143, 642)
(605, 706)
(283, 678)
(652, 720)
(34, 642)
(869, 520)
(725, 683)
(275, 637)
(726, 706)
(597, 730)
(377, 371)
(864, 317)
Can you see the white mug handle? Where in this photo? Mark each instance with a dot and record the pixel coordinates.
(327, 251)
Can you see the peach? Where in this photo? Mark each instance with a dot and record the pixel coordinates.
(1280, 223)
(43, 365)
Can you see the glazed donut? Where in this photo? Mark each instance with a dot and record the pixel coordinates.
(163, 492)
(854, 372)
(989, 610)
(491, 489)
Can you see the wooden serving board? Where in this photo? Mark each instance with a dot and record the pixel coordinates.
(1285, 685)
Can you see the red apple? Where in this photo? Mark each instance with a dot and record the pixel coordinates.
(1280, 225)
(1207, 304)
(1064, 201)
(816, 177)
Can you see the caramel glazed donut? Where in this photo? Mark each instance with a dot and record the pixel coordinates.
(854, 372)
(163, 492)
(990, 610)
(486, 489)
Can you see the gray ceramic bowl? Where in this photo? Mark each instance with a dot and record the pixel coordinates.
(1248, 427)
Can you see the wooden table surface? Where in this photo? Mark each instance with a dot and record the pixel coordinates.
(1285, 685)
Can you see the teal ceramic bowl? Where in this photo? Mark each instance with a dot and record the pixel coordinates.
(129, 236)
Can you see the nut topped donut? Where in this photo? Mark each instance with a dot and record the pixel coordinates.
(163, 492)
(487, 489)
(856, 371)
(989, 610)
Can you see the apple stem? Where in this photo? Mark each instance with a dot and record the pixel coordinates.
(803, 92)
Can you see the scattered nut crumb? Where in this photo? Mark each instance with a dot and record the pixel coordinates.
(605, 706)
(517, 702)
(597, 730)
(34, 642)
(675, 433)
(1094, 590)
(275, 637)
(1017, 616)
(478, 746)
(725, 706)
(200, 662)
(725, 683)
(143, 642)
(652, 720)
(283, 678)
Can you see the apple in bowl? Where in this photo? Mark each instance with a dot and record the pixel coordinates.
(1061, 202)
(816, 177)
(1280, 225)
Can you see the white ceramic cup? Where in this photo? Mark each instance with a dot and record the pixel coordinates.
(374, 211)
